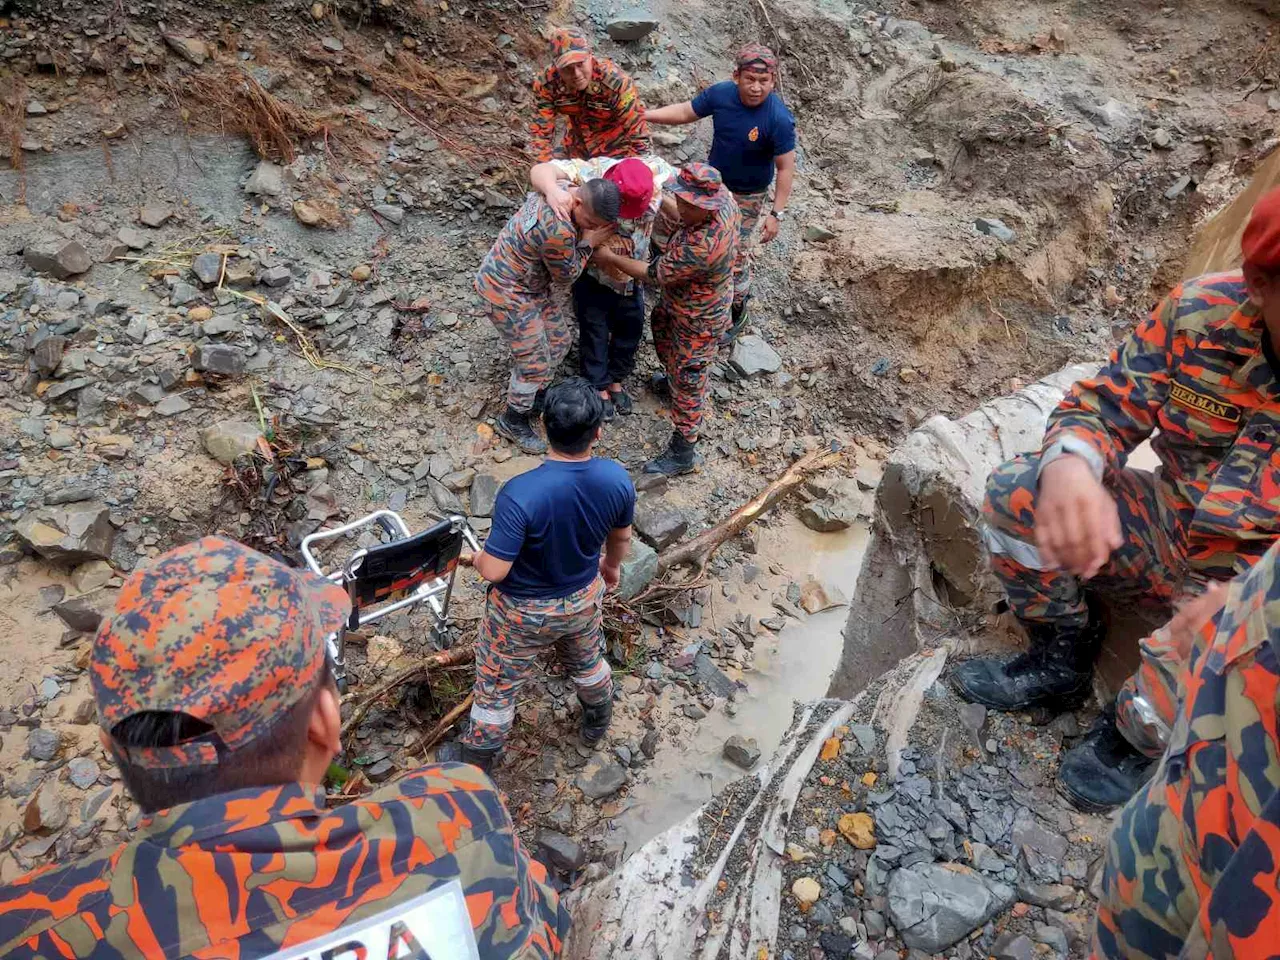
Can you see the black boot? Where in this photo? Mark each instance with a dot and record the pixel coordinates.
(515, 426)
(455, 751)
(1056, 671)
(1103, 770)
(737, 320)
(595, 721)
(660, 386)
(622, 402)
(539, 401)
(609, 411)
(681, 456)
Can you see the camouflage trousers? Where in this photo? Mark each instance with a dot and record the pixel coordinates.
(686, 354)
(750, 206)
(1150, 569)
(513, 634)
(539, 334)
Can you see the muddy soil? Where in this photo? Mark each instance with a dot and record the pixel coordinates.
(1085, 140)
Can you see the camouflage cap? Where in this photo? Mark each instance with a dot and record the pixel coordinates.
(756, 55)
(216, 631)
(569, 45)
(699, 184)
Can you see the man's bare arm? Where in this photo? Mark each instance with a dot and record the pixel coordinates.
(673, 115)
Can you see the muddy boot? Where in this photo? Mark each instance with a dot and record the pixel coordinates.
(660, 386)
(539, 401)
(737, 320)
(1103, 770)
(622, 402)
(595, 721)
(1056, 671)
(455, 751)
(681, 456)
(609, 411)
(515, 426)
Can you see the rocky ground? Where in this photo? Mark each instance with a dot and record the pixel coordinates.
(235, 255)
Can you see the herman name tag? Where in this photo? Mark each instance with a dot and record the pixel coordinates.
(1186, 397)
(433, 926)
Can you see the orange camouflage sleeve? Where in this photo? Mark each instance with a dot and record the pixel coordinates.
(561, 253)
(679, 263)
(1104, 417)
(629, 111)
(542, 130)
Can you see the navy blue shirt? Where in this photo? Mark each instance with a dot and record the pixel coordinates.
(552, 521)
(746, 139)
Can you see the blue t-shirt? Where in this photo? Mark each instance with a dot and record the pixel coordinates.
(552, 521)
(746, 139)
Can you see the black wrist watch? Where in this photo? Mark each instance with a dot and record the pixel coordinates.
(778, 214)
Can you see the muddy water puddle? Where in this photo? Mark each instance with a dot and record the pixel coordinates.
(796, 665)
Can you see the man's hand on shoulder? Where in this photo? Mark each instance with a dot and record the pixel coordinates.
(1077, 522)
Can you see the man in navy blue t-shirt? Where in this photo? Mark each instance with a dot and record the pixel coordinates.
(754, 134)
(543, 559)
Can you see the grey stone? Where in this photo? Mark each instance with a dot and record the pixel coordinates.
(220, 358)
(933, 907)
(48, 353)
(562, 852)
(228, 439)
(751, 356)
(827, 516)
(45, 812)
(1057, 896)
(220, 324)
(69, 534)
(390, 212)
(658, 523)
(75, 493)
(995, 228)
(1013, 946)
(50, 688)
(742, 751)
(191, 49)
(649, 744)
(172, 405)
(267, 180)
(602, 777)
(1177, 187)
(78, 614)
(693, 711)
(817, 234)
(1055, 937)
(445, 498)
(561, 818)
(1028, 834)
(380, 771)
(632, 24)
(133, 238)
(276, 276)
(1161, 139)
(83, 772)
(654, 671)
(712, 677)
(57, 257)
(155, 215)
(182, 293)
(207, 267)
(43, 744)
(837, 876)
(638, 570)
(875, 924)
(972, 717)
(93, 804)
(484, 492)
(66, 388)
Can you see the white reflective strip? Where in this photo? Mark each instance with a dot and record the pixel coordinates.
(1069, 444)
(1155, 728)
(596, 677)
(1025, 554)
(494, 718)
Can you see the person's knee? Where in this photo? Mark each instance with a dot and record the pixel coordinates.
(1010, 496)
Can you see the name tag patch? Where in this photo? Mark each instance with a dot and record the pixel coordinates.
(1202, 402)
(433, 926)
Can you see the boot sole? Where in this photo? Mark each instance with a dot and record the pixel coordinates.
(1062, 702)
(500, 429)
(1081, 803)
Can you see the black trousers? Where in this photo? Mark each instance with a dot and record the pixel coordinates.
(610, 327)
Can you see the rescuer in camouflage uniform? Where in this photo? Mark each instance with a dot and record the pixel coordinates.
(1192, 861)
(216, 700)
(695, 276)
(1202, 371)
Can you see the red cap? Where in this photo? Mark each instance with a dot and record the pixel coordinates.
(635, 184)
(1261, 241)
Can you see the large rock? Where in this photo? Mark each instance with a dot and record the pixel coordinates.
(828, 516)
(57, 257)
(70, 534)
(563, 853)
(484, 492)
(220, 358)
(633, 24)
(742, 751)
(638, 569)
(936, 905)
(266, 181)
(228, 439)
(659, 524)
(602, 777)
(751, 356)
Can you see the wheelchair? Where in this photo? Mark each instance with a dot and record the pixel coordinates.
(408, 570)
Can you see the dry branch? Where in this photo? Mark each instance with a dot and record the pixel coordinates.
(433, 736)
(445, 658)
(698, 550)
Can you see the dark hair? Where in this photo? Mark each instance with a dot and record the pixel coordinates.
(571, 412)
(604, 199)
(268, 760)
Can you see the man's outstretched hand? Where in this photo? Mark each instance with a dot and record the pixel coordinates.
(611, 574)
(1077, 523)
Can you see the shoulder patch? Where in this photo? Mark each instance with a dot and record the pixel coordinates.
(1184, 396)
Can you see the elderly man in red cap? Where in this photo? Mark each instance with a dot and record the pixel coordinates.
(217, 702)
(602, 110)
(610, 304)
(1201, 378)
(753, 135)
(695, 276)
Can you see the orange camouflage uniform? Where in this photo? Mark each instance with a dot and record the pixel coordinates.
(265, 872)
(1193, 863)
(605, 120)
(1199, 377)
